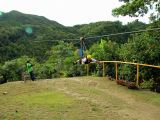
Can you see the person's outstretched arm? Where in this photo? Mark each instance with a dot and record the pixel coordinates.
(94, 60)
(99, 62)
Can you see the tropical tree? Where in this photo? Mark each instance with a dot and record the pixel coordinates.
(135, 8)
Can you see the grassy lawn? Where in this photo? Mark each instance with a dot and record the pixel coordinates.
(71, 99)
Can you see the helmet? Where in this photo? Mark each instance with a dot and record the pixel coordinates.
(89, 56)
(28, 60)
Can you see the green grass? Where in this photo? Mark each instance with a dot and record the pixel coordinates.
(64, 99)
(89, 90)
(149, 97)
(29, 101)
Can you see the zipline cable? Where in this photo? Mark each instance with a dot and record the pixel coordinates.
(101, 35)
(124, 33)
(54, 40)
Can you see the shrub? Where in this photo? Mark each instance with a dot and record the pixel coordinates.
(143, 48)
(126, 84)
(109, 78)
(120, 82)
(157, 89)
(1, 79)
(151, 84)
(11, 70)
(131, 85)
(117, 81)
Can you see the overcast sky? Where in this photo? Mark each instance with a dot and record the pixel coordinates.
(69, 12)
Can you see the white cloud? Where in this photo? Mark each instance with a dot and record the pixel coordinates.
(69, 12)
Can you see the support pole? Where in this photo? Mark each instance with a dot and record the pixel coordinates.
(137, 75)
(87, 69)
(103, 70)
(116, 72)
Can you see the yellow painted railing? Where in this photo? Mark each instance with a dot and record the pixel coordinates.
(138, 64)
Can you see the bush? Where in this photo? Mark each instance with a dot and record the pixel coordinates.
(129, 85)
(120, 82)
(157, 89)
(1, 79)
(144, 49)
(105, 51)
(151, 84)
(11, 70)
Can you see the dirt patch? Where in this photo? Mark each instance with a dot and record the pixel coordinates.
(92, 83)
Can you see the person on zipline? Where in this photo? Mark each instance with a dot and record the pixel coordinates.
(87, 60)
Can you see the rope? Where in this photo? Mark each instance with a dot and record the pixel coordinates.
(85, 47)
(76, 43)
(100, 36)
(123, 33)
(53, 40)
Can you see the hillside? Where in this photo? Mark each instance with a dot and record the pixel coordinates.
(76, 98)
(15, 18)
(13, 34)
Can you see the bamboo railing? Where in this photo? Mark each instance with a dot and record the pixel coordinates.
(138, 64)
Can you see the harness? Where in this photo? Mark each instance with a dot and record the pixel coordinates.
(87, 61)
(80, 61)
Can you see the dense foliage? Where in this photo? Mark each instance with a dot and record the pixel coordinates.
(16, 40)
(142, 48)
(135, 8)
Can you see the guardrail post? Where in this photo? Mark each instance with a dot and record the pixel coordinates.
(116, 71)
(137, 75)
(103, 70)
(87, 69)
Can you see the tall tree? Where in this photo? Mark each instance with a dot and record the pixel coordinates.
(135, 8)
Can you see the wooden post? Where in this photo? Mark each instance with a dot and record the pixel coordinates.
(103, 70)
(137, 75)
(87, 69)
(24, 79)
(116, 72)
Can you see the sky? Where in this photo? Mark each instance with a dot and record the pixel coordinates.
(70, 12)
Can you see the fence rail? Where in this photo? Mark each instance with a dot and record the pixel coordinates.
(138, 64)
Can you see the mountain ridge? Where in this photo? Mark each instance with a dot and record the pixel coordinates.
(23, 19)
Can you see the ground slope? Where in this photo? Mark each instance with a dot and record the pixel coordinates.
(96, 98)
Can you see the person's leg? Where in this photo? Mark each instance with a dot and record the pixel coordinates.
(32, 75)
(79, 61)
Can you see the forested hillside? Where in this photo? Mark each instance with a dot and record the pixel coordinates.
(15, 40)
(15, 18)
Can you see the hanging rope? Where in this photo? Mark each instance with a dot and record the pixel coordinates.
(83, 46)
